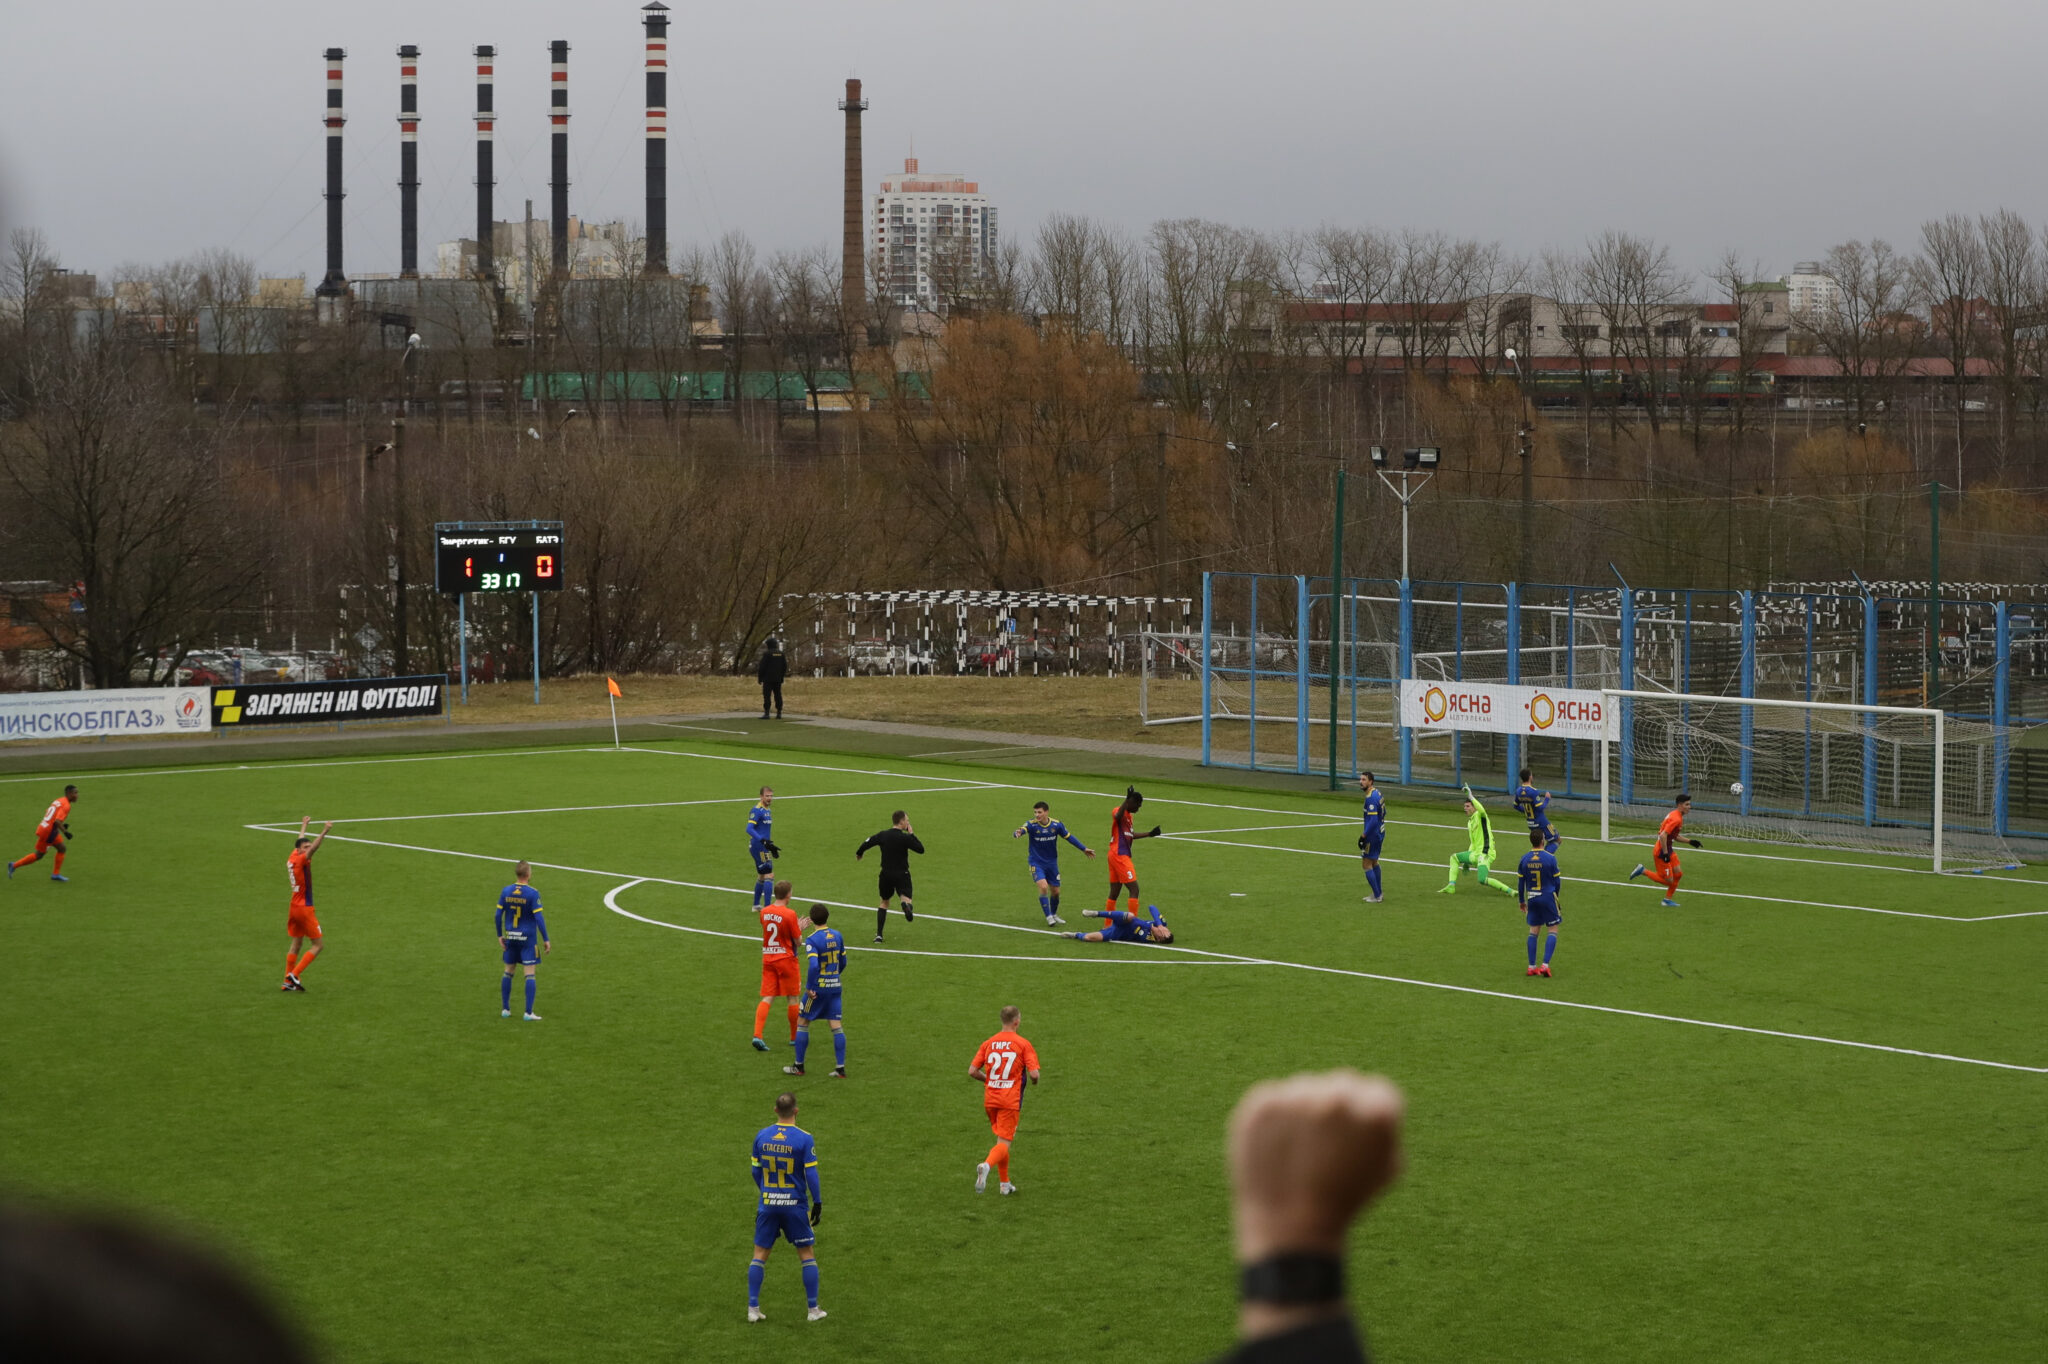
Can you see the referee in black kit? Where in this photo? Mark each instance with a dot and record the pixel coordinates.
(897, 843)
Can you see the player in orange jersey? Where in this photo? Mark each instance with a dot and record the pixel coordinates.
(1123, 872)
(52, 835)
(1003, 1065)
(301, 924)
(1664, 868)
(780, 978)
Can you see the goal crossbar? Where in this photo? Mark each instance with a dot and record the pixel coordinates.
(1770, 703)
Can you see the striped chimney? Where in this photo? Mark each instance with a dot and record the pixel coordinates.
(335, 283)
(657, 137)
(558, 117)
(408, 162)
(486, 116)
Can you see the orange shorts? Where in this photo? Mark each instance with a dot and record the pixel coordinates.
(302, 922)
(779, 976)
(1122, 871)
(47, 841)
(1668, 865)
(1002, 1121)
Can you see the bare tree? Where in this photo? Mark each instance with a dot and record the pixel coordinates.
(1947, 277)
(1486, 279)
(1634, 284)
(2013, 288)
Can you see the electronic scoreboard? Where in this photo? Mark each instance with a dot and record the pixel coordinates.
(511, 557)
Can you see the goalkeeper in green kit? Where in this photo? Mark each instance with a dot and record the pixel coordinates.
(1478, 854)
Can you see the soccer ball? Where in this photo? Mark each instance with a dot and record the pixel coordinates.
(1734, 788)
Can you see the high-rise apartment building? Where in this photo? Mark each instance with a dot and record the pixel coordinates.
(935, 237)
(1814, 293)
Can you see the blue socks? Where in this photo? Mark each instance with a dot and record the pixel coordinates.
(803, 1035)
(756, 1271)
(811, 1281)
(504, 992)
(1549, 946)
(839, 1053)
(532, 984)
(1045, 905)
(764, 893)
(1532, 948)
(1372, 878)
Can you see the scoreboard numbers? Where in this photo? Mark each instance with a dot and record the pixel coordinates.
(521, 557)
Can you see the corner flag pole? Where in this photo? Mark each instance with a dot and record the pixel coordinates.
(612, 688)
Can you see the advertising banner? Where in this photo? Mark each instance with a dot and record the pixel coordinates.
(90, 714)
(1497, 708)
(302, 703)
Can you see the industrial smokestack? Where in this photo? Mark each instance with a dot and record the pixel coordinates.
(853, 259)
(408, 162)
(486, 116)
(335, 284)
(558, 115)
(657, 137)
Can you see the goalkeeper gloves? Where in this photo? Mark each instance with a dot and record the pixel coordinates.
(773, 851)
(817, 1212)
(1695, 842)
(1361, 842)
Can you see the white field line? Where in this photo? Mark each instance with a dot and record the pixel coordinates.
(625, 880)
(1114, 958)
(734, 801)
(1459, 828)
(965, 782)
(981, 752)
(1631, 885)
(708, 729)
(92, 775)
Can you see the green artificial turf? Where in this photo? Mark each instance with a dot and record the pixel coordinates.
(420, 1179)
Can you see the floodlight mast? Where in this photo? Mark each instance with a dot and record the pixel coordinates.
(1426, 458)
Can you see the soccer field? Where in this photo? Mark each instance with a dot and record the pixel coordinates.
(1799, 1119)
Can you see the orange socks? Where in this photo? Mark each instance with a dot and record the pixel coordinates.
(305, 960)
(1109, 905)
(21, 862)
(760, 1017)
(999, 1156)
(291, 963)
(58, 870)
(792, 1023)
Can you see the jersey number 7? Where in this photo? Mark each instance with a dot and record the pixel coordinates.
(1000, 1065)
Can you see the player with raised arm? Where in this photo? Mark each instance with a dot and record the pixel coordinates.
(519, 922)
(301, 923)
(1125, 926)
(1536, 885)
(897, 843)
(1664, 868)
(1373, 835)
(1004, 1065)
(1042, 857)
(821, 992)
(1479, 850)
(780, 977)
(1535, 807)
(785, 1170)
(52, 835)
(1123, 872)
(761, 847)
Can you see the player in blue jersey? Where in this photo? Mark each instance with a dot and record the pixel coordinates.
(1537, 889)
(1535, 807)
(1374, 833)
(761, 847)
(821, 992)
(785, 1170)
(522, 938)
(1042, 857)
(1124, 926)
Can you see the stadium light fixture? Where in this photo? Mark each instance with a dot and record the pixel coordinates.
(1421, 459)
(1379, 456)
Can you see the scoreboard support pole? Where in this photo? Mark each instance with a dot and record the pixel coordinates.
(462, 639)
(536, 648)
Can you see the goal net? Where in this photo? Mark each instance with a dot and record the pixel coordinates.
(1883, 778)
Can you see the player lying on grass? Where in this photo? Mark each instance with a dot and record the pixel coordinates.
(1479, 850)
(52, 835)
(1042, 857)
(1536, 886)
(1664, 868)
(785, 1170)
(1124, 926)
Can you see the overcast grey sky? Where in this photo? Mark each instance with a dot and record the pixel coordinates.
(135, 132)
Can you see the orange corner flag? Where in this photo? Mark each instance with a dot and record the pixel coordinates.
(612, 687)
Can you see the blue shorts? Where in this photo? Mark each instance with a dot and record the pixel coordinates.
(1372, 845)
(525, 953)
(825, 1005)
(759, 857)
(1543, 912)
(1040, 872)
(791, 1224)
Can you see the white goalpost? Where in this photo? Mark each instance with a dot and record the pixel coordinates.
(1896, 779)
